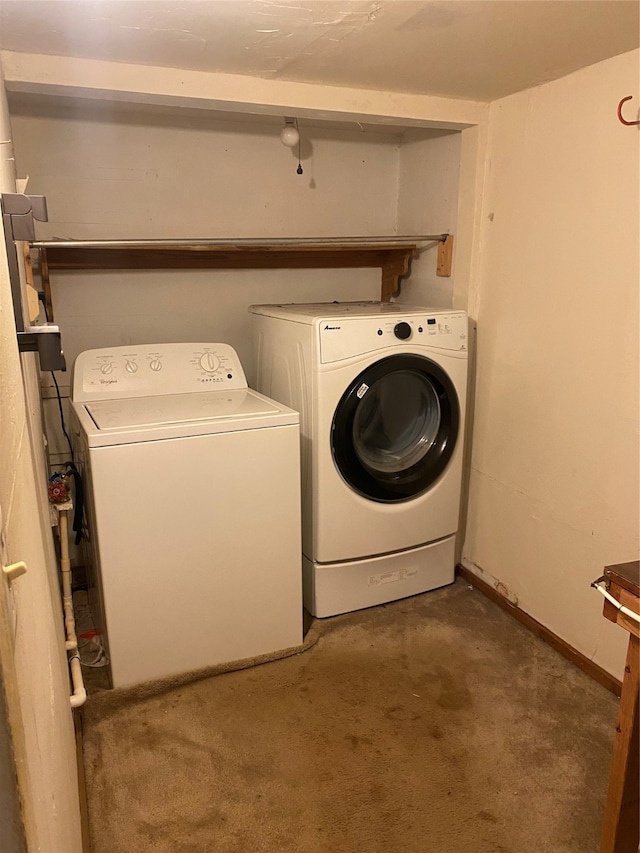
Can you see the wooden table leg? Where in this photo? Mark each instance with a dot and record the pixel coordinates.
(621, 827)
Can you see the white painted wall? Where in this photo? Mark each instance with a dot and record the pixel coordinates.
(160, 173)
(554, 479)
(40, 678)
(428, 204)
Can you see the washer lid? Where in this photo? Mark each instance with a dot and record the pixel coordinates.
(135, 419)
(176, 409)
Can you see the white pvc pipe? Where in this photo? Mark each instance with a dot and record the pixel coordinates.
(79, 696)
(67, 598)
(615, 602)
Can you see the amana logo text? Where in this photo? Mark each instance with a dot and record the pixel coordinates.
(331, 328)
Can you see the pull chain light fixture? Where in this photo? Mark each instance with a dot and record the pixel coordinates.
(290, 137)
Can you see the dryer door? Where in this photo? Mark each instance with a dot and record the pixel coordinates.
(395, 428)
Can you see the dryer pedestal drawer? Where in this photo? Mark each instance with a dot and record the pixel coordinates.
(332, 588)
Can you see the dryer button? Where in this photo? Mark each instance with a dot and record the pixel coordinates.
(402, 331)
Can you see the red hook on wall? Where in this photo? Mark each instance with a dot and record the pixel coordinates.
(624, 121)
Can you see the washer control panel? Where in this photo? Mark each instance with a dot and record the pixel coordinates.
(148, 370)
(347, 337)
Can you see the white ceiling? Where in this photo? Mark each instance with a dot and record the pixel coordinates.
(473, 49)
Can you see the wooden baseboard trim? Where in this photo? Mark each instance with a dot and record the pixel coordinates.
(561, 646)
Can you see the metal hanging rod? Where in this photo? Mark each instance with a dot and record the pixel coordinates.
(242, 242)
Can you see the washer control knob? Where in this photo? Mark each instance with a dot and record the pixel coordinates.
(106, 367)
(209, 362)
(155, 365)
(131, 366)
(402, 331)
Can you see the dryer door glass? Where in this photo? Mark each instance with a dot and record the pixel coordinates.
(395, 428)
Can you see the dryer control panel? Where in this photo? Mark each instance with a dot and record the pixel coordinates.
(148, 370)
(346, 337)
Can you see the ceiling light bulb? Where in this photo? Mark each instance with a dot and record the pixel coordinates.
(289, 135)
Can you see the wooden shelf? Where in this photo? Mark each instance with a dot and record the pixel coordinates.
(391, 255)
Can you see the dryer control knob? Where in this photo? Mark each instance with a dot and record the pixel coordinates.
(402, 331)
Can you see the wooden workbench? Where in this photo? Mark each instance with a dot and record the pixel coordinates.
(621, 825)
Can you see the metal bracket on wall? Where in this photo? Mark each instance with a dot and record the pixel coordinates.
(18, 215)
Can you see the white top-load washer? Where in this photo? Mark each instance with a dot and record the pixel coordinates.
(381, 391)
(193, 508)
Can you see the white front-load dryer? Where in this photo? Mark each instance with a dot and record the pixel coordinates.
(381, 391)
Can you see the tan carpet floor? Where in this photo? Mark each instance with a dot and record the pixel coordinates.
(436, 724)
